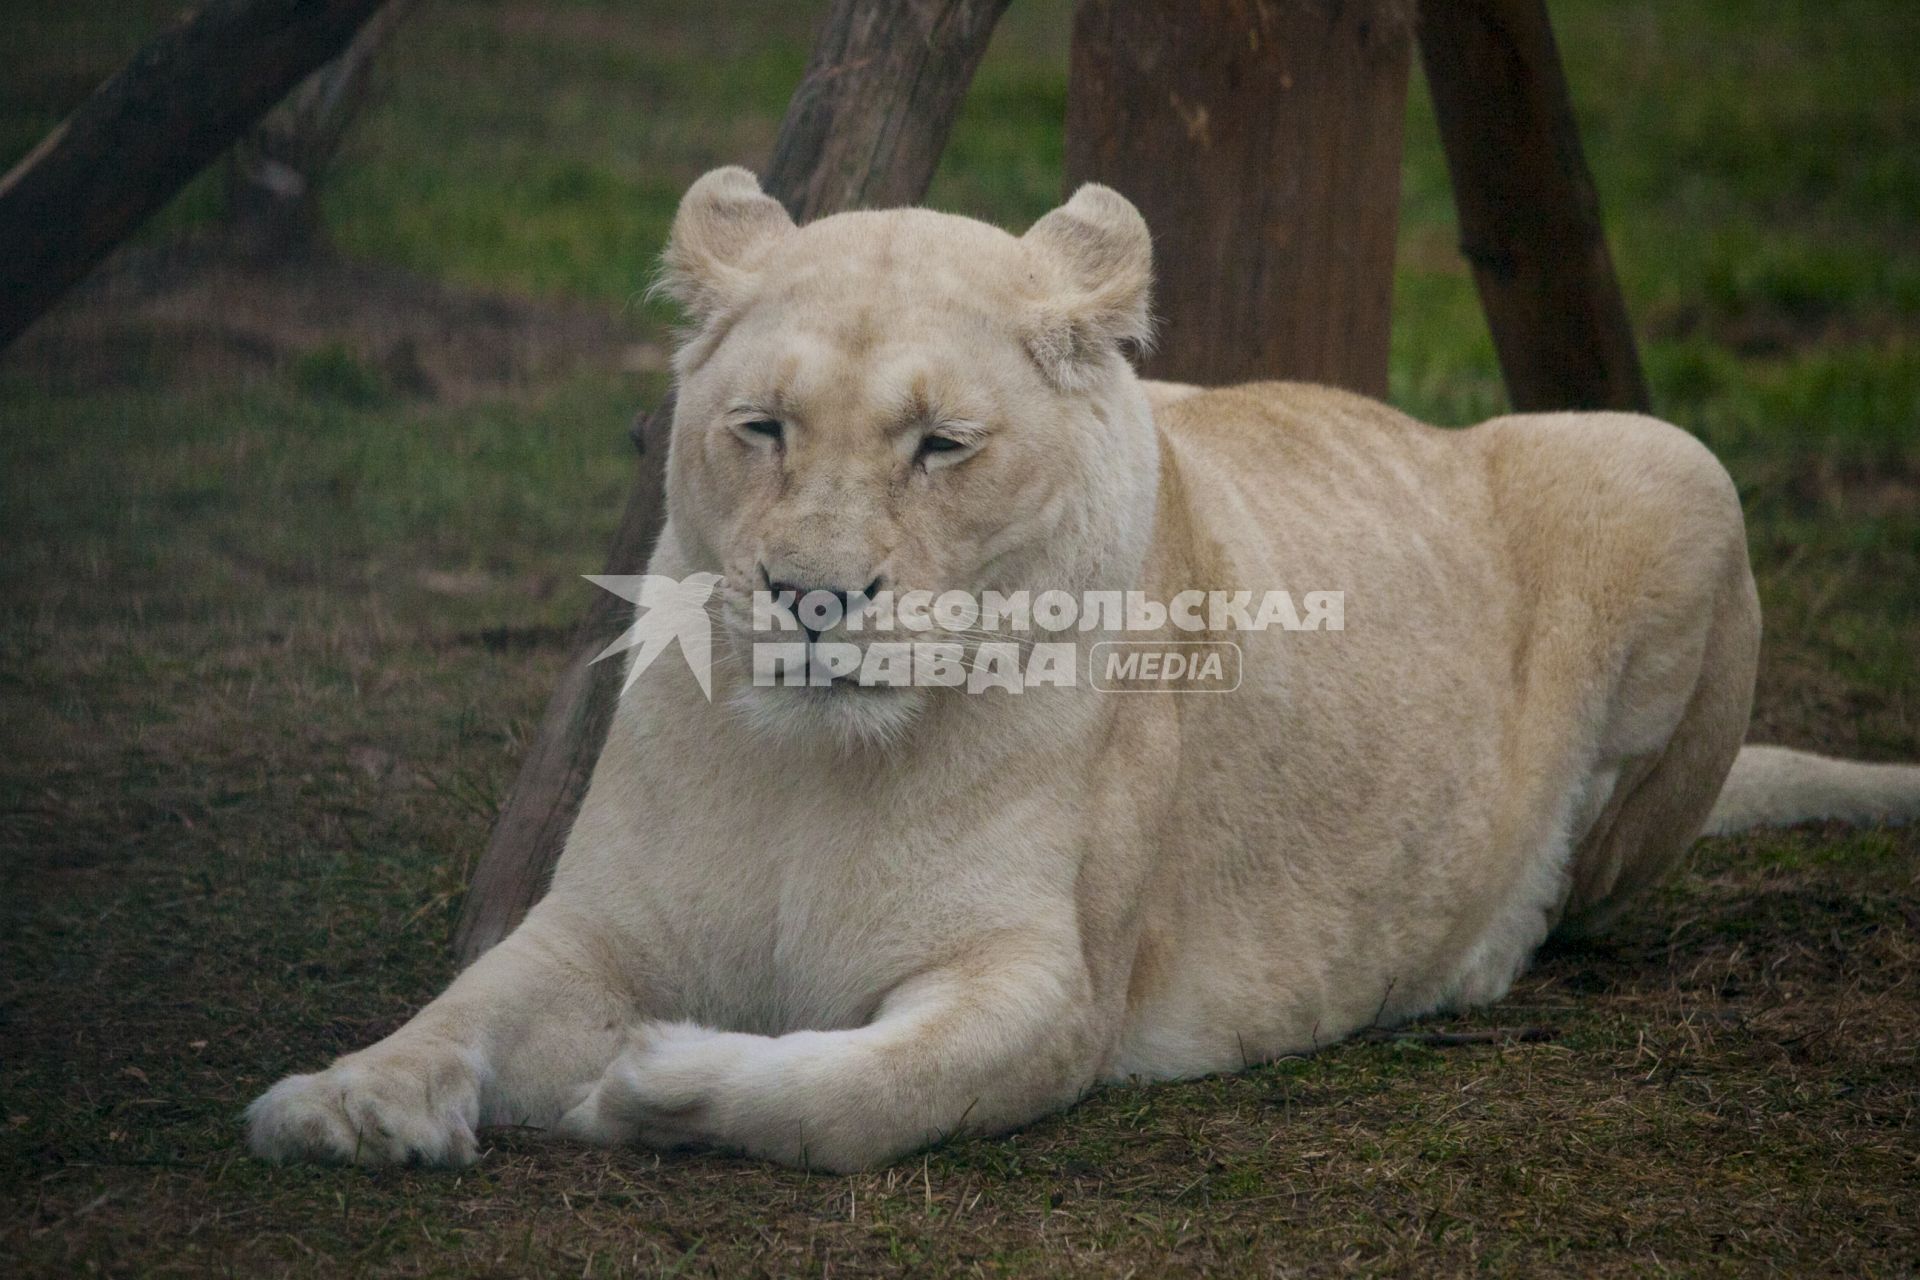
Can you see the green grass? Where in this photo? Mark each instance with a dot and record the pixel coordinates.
(273, 648)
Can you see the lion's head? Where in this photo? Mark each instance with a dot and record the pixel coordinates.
(904, 401)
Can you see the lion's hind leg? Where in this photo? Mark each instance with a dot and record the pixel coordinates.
(1641, 646)
(1660, 803)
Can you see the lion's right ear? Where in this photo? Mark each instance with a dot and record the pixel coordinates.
(1102, 260)
(724, 224)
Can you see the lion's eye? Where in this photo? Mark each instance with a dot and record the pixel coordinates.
(765, 428)
(930, 445)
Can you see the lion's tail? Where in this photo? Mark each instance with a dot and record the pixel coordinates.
(1772, 786)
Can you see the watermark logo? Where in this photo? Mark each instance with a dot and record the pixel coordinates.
(667, 610)
(975, 643)
(1142, 666)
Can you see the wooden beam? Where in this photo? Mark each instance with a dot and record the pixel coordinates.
(1262, 142)
(274, 173)
(1529, 216)
(185, 98)
(865, 128)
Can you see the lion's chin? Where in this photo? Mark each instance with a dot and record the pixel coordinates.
(847, 715)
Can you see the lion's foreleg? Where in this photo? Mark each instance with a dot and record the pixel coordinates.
(977, 1046)
(513, 1040)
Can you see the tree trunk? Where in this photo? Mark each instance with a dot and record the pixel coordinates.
(274, 172)
(1529, 217)
(184, 99)
(865, 128)
(1262, 142)
(867, 124)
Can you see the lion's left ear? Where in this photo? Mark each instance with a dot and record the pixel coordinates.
(1102, 257)
(723, 225)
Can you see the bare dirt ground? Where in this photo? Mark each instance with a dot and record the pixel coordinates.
(195, 313)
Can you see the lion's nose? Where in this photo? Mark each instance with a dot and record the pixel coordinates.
(818, 606)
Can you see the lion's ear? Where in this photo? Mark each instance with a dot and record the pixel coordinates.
(725, 222)
(1102, 256)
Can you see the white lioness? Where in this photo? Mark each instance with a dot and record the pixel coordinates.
(828, 925)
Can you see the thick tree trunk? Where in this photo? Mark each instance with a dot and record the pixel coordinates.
(1529, 217)
(1262, 142)
(184, 99)
(274, 172)
(865, 128)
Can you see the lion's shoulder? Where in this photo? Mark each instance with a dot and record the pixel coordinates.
(1268, 420)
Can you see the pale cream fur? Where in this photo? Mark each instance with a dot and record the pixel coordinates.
(829, 926)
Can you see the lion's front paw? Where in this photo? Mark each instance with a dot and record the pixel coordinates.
(666, 1089)
(680, 1085)
(357, 1112)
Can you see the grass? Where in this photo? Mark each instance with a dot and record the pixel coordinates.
(271, 651)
